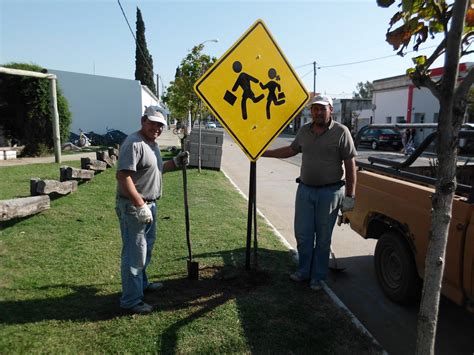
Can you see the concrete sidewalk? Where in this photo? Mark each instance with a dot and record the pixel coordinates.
(273, 200)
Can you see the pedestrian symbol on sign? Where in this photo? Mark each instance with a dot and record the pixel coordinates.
(244, 81)
(272, 87)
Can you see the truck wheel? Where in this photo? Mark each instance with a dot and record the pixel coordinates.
(374, 145)
(396, 270)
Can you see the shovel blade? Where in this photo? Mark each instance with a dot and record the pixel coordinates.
(193, 270)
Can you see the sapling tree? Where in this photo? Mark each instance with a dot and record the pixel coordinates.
(420, 21)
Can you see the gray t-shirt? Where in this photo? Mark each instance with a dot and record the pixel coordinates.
(323, 154)
(145, 161)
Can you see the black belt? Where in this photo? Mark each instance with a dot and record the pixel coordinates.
(149, 201)
(339, 183)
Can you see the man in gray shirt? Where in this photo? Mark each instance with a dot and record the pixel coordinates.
(139, 185)
(326, 145)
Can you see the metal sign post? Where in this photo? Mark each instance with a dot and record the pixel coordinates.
(252, 216)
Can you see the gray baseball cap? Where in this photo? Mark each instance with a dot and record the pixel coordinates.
(321, 100)
(154, 115)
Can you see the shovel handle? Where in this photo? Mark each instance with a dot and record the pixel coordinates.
(186, 206)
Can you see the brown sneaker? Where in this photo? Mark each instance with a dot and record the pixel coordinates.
(296, 276)
(141, 308)
(316, 285)
(154, 286)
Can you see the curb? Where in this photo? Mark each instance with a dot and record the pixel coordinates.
(294, 255)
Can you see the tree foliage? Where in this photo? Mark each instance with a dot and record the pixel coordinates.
(180, 96)
(143, 59)
(363, 90)
(419, 20)
(26, 111)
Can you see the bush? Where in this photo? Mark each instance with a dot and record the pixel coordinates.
(25, 109)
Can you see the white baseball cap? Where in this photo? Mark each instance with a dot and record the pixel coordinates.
(321, 100)
(154, 115)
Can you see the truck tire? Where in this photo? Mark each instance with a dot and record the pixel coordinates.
(396, 269)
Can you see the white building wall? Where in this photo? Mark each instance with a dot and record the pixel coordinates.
(390, 103)
(337, 111)
(425, 108)
(148, 98)
(424, 102)
(99, 102)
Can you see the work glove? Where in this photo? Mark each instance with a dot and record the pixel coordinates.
(144, 214)
(181, 159)
(347, 204)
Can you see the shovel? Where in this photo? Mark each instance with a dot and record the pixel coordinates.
(193, 266)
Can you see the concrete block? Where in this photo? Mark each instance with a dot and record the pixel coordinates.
(211, 154)
(9, 154)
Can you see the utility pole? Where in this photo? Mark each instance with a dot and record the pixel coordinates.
(314, 77)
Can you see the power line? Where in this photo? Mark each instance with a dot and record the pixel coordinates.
(360, 61)
(302, 76)
(136, 42)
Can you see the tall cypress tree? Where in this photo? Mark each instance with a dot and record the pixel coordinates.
(143, 59)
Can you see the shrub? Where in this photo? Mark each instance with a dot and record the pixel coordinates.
(26, 113)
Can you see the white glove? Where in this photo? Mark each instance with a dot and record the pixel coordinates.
(144, 214)
(181, 158)
(347, 204)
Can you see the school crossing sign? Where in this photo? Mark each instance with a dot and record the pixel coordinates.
(253, 91)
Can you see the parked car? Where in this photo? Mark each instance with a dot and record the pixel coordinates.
(466, 145)
(379, 138)
(210, 125)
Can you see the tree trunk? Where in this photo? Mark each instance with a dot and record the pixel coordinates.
(22, 207)
(93, 164)
(68, 173)
(105, 157)
(450, 120)
(46, 187)
(442, 201)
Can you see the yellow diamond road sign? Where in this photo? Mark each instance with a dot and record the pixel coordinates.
(253, 91)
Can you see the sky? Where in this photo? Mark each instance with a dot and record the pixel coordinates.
(92, 36)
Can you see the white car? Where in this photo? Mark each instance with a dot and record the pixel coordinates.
(211, 125)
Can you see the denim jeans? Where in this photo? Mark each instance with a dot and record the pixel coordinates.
(316, 210)
(137, 244)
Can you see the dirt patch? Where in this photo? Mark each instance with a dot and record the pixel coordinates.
(215, 282)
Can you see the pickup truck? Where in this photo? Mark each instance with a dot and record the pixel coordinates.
(393, 205)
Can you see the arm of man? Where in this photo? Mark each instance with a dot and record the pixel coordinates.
(124, 179)
(350, 169)
(284, 152)
(177, 162)
(169, 166)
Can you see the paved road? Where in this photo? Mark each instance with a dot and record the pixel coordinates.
(392, 325)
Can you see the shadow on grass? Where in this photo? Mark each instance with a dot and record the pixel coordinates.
(276, 315)
(82, 304)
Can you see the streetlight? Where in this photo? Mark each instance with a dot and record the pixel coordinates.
(215, 40)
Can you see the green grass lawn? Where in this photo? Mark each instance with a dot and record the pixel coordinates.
(60, 278)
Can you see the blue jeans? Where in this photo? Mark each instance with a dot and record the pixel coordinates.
(137, 243)
(316, 211)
